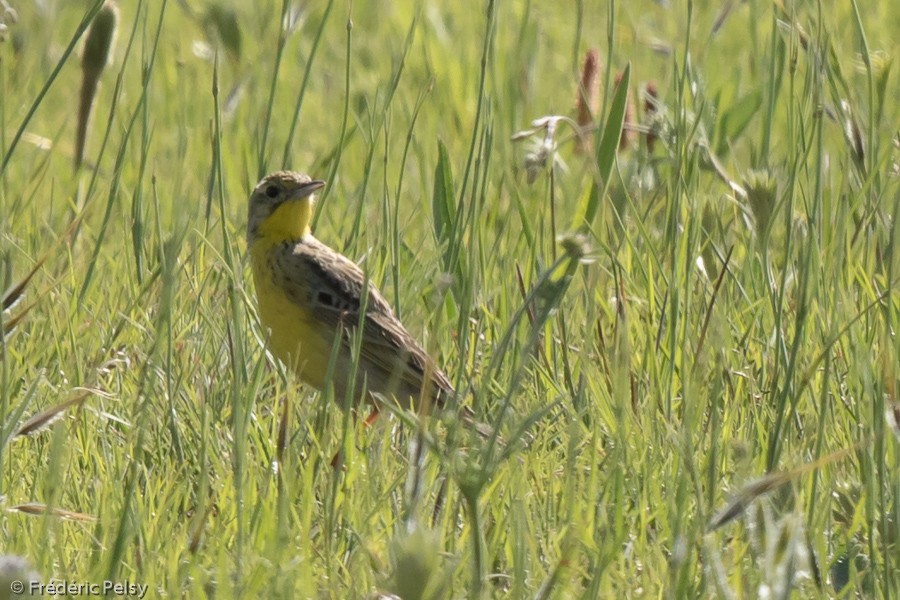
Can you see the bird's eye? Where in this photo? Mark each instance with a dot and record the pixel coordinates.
(271, 191)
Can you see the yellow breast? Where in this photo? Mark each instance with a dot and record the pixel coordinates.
(295, 337)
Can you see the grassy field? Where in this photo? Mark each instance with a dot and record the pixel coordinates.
(687, 343)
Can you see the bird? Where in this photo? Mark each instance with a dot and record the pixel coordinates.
(312, 299)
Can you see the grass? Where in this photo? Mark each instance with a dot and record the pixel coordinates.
(669, 339)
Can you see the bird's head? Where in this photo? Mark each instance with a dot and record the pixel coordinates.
(281, 206)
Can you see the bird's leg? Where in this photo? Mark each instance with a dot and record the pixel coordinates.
(372, 416)
(338, 460)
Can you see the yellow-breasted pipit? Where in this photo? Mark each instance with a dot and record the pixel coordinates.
(310, 298)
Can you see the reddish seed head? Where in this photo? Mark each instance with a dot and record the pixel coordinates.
(627, 132)
(587, 97)
(650, 97)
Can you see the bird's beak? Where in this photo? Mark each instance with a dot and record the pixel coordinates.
(305, 190)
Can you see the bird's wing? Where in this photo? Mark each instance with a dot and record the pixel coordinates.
(333, 290)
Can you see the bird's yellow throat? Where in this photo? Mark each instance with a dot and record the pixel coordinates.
(290, 221)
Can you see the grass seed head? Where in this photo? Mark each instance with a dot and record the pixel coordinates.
(761, 188)
(627, 138)
(8, 17)
(416, 563)
(577, 246)
(587, 100)
(100, 39)
(651, 106)
(93, 60)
